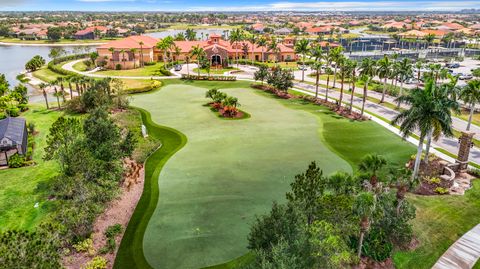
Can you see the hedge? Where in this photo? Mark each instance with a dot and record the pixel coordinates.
(152, 86)
(212, 78)
(52, 65)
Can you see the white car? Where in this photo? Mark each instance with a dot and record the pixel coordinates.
(465, 76)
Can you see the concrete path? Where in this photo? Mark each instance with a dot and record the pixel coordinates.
(463, 254)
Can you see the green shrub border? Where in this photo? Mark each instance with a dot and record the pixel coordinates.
(130, 254)
(52, 64)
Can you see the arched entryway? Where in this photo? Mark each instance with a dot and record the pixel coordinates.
(216, 60)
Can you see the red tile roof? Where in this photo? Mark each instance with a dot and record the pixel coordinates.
(132, 42)
(91, 30)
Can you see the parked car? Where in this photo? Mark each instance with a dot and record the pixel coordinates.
(411, 81)
(178, 67)
(465, 76)
(452, 65)
(303, 67)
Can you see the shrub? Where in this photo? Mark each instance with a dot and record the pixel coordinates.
(164, 71)
(16, 161)
(149, 63)
(113, 230)
(211, 78)
(118, 67)
(441, 190)
(85, 246)
(376, 245)
(12, 111)
(31, 127)
(97, 263)
(433, 180)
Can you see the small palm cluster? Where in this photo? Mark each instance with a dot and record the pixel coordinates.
(226, 105)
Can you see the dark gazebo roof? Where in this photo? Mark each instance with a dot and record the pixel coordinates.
(14, 129)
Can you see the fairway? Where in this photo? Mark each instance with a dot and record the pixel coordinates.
(228, 171)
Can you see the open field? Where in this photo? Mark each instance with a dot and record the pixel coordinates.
(206, 212)
(21, 188)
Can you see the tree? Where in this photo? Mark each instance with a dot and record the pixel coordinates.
(470, 94)
(164, 45)
(54, 33)
(429, 113)
(281, 79)
(367, 71)
(353, 82)
(112, 51)
(4, 85)
(335, 55)
(190, 34)
(364, 207)
(262, 42)
(273, 47)
(133, 51)
(317, 53)
(43, 87)
(236, 36)
(261, 74)
(372, 164)
(122, 51)
(306, 189)
(384, 72)
(141, 52)
(197, 52)
(253, 40)
(344, 66)
(429, 39)
(405, 71)
(35, 63)
(402, 180)
(55, 53)
(302, 47)
(93, 57)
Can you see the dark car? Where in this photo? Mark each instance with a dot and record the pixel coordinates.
(453, 65)
(178, 67)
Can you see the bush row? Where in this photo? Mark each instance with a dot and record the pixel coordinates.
(212, 78)
(155, 84)
(52, 64)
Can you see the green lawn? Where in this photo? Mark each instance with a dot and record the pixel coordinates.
(207, 212)
(146, 71)
(80, 66)
(46, 74)
(215, 71)
(440, 221)
(21, 188)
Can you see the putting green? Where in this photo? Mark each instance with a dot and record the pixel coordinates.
(227, 172)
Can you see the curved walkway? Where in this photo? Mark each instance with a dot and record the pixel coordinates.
(463, 254)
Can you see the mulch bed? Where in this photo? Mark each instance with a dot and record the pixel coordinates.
(433, 169)
(218, 108)
(367, 263)
(268, 88)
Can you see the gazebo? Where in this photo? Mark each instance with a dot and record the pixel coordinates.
(13, 138)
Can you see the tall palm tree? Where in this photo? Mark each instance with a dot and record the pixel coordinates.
(236, 36)
(262, 42)
(317, 53)
(405, 71)
(384, 72)
(418, 66)
(273, 47)
(403, 182)
(112, 51)
(470, 94)
(372, 164)
(57, 95)
(164, 45)
(367, 70)
(177, 51)
(69, 79)
(353, 81)
(59, 81)
(190, 34)
(344, 66)
(335, 55)
(197, 52)
(43, 87)
(133, 51)
(123, 57)
(302, 47)
(141, 52)
(430, 113)
(364, 207)
(253, 41)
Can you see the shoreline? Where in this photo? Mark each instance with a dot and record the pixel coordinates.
(50, 45)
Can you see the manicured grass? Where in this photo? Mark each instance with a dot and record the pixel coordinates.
(207, 212)
(440, 221)
(215, 71)
(466, 113)
(21, 188)
(80, 66)
(146, 71)
(46, 74)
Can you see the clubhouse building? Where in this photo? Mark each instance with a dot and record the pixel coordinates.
(130, 52)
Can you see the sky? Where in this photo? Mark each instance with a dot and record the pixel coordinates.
(237, 5)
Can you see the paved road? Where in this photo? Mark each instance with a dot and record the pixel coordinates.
(463, 254)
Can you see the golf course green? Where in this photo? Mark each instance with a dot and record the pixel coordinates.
(227, 172)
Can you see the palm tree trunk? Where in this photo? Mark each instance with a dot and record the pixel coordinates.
(400, 94)
(71, 91)
(58, 98)
(316, 84)
(360, 244)
(418, 158)
(341, 92)
(384, 90)
(351, 96)
(364, 99)
(427, 150)
(198, 66)
(46, 98)
(63, 91)
(303, 68)
(326, 89)
(472, 109)
(335, 76)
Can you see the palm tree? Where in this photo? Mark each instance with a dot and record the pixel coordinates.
(56, 93)
(328, 72)
(384, 73)
(133, 51)
(112, 50)
(43, 87)
(253, 40)
(164, 45)
(262, 42)
(367, 71)
(190, 34)
(364, 207)
(429, 113)
(70, 80)
(418, 66)
(197, 52)
(317, 53)
(353, 81)
(236, 37)
(405, 71)
(123, 57)
(59, 81)
(177, 51)
(302, 47)
(470, 94)
(141, 52)
(344, 65)
(187, 60)
(402, 180)
(273, 47)
(429, 39)
(335, 55)
(372, 164)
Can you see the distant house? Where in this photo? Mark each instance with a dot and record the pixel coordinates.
(283, 31)
(13, 138)
(89, 32)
